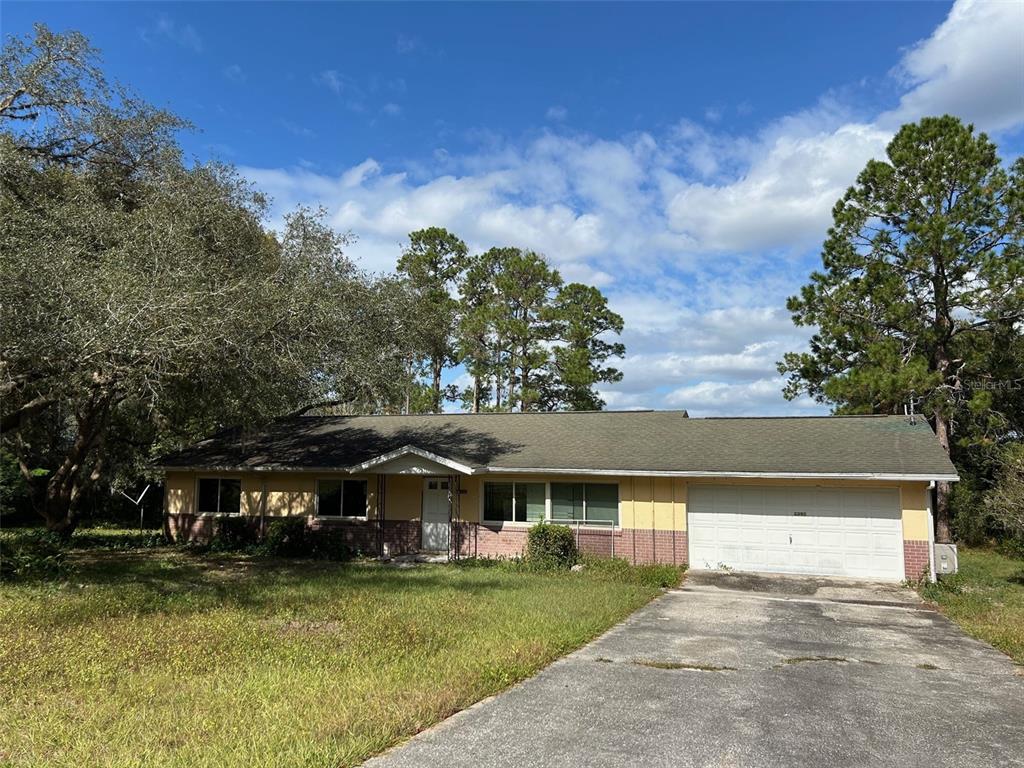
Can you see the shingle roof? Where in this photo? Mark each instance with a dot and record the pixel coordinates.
(609, 441)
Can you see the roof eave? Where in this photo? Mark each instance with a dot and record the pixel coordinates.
(916, 477)
(468, 470)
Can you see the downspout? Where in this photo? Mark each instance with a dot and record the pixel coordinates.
(263, 509)
(931, 531)
(675, 560)
(382, 484)
(632, 503)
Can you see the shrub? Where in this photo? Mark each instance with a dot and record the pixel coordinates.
(33, 555)
(286, 537)
(289, 537)
(232, 533)
(1005, 502)
(329, 544)
(551, 546)
(117, 538)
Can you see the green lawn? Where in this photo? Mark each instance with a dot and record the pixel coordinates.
(986, 598)
(160, 657)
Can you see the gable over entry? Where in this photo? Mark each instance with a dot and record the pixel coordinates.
(410, 460)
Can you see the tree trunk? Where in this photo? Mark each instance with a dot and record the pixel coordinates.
(943, 328)
(942, 527)
(59, 511)
(59, 505)
(476, 394)
(524, 378)
(498, 388)
(436, 366)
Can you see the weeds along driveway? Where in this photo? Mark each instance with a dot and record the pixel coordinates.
(753, 675)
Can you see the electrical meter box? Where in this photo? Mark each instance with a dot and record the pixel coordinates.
(945, 560)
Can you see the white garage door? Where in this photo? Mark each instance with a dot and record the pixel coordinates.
(821, 531)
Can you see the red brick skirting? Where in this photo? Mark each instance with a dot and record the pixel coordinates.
(915, 560)
(637, 546)
(365, 536)
(471, 539)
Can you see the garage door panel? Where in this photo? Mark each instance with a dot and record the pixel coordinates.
(827, 531)
(832, 539)
(774, 537)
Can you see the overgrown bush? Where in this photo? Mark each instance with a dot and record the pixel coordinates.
(551, 546)
(33, 555)
(290, 537)
(286, 537)
(1005, 502)
(231, 534)
(972, 521)
(328, 544)
(117, 538)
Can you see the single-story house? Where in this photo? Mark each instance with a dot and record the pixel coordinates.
(846, 496)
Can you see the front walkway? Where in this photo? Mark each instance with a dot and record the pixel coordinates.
(734, 670)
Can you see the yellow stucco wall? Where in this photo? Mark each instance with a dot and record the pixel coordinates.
(914, 502)
(179, 492)
(644, 502)
(287, 493)
(403, 497)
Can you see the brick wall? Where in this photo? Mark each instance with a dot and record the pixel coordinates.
(361, 536)
(915, 559)
(637, 546)
(472, 539)
(188, 527)
(402, 536)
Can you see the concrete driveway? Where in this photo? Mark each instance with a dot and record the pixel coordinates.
(738, 670)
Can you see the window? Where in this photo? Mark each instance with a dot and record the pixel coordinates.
(341, 498)
(519, 502)
(593, 503)
(219, 496)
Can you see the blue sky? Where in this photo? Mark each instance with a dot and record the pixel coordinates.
(684, 157)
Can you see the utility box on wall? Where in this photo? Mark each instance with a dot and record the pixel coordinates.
(945, 560)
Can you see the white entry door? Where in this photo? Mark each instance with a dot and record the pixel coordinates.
(435, 514)
(815, 531)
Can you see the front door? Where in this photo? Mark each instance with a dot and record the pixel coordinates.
(435, 514)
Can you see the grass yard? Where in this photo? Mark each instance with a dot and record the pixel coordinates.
(986, 598)
(159, 657)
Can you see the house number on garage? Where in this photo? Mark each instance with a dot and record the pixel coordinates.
(799, 514)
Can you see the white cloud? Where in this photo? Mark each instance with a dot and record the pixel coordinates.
(391, 109)
(696, 236)
(557, 114)
(756, 398)
(407, 44)
(297, 130)
(234, 73)
(184, 35)
(971, 66)
(785, 197)
(334, 80)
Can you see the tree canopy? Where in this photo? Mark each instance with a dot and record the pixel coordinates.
(530, 341)
(431, 265)
(144, 304)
